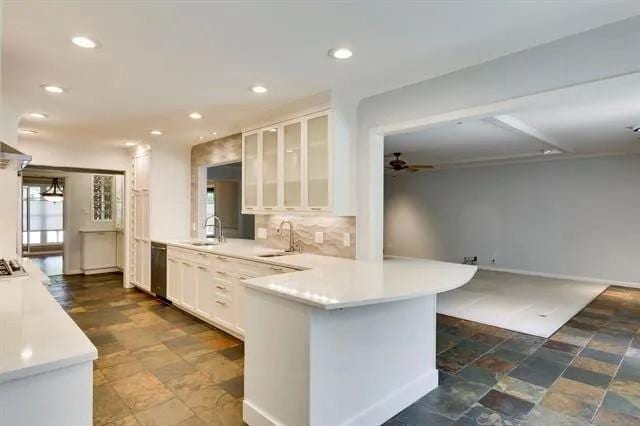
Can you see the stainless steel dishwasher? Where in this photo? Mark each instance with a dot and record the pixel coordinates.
(159, 269)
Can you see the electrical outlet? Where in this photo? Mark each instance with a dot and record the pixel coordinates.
(262, 233)
(346, 239)
(319, 237)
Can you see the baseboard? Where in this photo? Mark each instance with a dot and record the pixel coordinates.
(253, 416)
(376, 414)
(560, 276)
(396, 401)
(73, 272)
(100, 271)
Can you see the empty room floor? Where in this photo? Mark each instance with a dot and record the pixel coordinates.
(523, 303)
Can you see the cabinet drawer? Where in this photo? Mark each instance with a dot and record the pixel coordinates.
(240, 268)
(224, 289)
(191, 256)
(223, 310)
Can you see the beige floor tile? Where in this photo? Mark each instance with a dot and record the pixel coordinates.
(168, 413)
(142, 391)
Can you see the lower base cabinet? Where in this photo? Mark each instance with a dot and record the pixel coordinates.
(208, 285)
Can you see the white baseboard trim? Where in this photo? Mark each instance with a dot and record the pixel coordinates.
(396, 401)
(253, 416)
(560, 276)
(73, 272)
(376, 414)
(100, 271)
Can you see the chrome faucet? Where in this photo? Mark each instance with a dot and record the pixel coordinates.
(292, 243)
(214, 217)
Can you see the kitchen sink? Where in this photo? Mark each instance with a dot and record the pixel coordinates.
(202, 243)
(274, 254)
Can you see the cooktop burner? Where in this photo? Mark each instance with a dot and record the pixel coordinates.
(11, 268)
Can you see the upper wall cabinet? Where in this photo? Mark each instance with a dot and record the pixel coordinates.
(288, 167)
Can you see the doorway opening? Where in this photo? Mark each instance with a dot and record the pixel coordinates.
(224, 200)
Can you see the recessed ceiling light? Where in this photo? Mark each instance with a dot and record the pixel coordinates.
(340, 53)
(130, 143)
(27, 131)
(201, 137)
(550, 151)
(39, 115)
(214, 133)
(85, 42)
(53, 89)
(195, 115)
(258, 89)
(273, 129)
(156, 132)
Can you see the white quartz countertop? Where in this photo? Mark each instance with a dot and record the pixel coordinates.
(37, 335)
(334, 283)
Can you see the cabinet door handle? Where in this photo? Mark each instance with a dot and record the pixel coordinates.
(220, 303)
(223, 273)
(202, 267)
(275, 268)
(221, 258)
(316, 208)
(202, 254)
(221, 287)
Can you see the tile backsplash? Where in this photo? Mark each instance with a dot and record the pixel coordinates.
(333, 230)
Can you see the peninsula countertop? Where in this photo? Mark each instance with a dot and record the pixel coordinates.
(37, 334)
(329, 282)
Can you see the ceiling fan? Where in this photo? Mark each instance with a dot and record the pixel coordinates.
(398, 165)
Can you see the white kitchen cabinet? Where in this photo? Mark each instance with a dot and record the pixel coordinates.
(205, 291)
(174, 280)
(295, 166)
(140, 243)
(189, 295)
(209, 285)
(250, 171)
(99, 251)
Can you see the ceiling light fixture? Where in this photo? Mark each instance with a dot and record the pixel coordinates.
(258, 89)
(273, 130)
(550, 151)
(53, 89)
(195, 116)
(156, 132)
(84, 42)
(54, 193)
(27, 132)
(340, 53)
(38, 115)
(130, 143)
(214, 133)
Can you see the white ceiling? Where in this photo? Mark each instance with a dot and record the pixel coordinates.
(159, 61)
(586, 120)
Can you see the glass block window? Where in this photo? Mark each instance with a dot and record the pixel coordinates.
(102, 198)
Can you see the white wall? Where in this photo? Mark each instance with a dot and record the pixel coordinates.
(590, 56)
(169, 192)
(568, 217)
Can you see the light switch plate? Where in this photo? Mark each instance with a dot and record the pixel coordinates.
(262, 233)
(319, 237)
(346, 239)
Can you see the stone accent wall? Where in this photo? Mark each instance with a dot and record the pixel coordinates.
(305, 228)
(223, 150)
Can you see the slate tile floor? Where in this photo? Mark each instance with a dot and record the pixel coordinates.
(588, 372)
(158, 366)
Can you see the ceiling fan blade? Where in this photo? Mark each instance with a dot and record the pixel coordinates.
(421, 166)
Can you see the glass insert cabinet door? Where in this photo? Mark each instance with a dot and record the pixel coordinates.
(270, 167)
(318, 162)
(292, 135)
(250, 164)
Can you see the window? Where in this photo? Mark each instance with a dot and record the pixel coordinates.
(211, 210)
(102, 198)
(41, 219)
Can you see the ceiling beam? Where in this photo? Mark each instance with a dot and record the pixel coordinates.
(513, 124)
